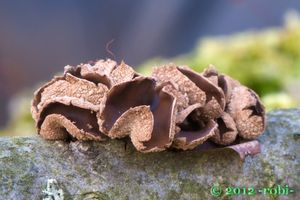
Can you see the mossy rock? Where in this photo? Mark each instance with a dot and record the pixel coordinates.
(108, 170)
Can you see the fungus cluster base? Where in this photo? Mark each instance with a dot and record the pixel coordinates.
(173, 108)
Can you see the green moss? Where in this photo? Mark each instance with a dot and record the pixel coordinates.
(93, 170)
(172, 194)
(267, 61)
(191, 187)
(93, 196)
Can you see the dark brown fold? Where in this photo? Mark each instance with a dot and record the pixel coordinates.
(185, 90)
(163, 109)
(226, 83)
(99, 72)
(150, 125)
(122, 97)
(37, 96)
(70, 120)
(226, 132)
(244, 149)
(211, 73)
(215, 99)
(187, 139)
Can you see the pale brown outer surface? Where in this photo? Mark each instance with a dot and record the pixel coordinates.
(122, 73)
(182, 142)
(249, 126)
(58, 127)
(136, 122)
(185, 86)
(225, 138)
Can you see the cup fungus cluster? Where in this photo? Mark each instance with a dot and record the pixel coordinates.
(173, 108)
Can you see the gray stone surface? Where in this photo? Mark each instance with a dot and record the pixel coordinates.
(108, 170)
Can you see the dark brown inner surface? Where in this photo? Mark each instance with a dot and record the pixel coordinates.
(202, 131)
(79, 116)
(125, 96)
(222, 127)
(201, 82)
(191, 123)
(210, 73)
(97, 78)
(92, 76)
(222, 83)
(162, 110)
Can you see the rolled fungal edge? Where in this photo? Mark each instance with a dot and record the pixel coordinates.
(75, 87)
(226, 132)
(137, 121)
(181, 116)
(97, 72)
(164, 111)
(122, 97)
(79, 122)
(58, 127)
(187, 140)
(170, 73)
(60, 87)
(38, 95)
(69, 91)
(122, 73)
(227, 84)
(215, 99)
(211, 73)
(248, 112)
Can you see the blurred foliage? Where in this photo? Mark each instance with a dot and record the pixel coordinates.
(21, 122)
(267, 61)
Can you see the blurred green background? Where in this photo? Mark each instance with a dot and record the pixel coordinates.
(267, 61)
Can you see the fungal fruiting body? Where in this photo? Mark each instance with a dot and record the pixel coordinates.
(175, 107)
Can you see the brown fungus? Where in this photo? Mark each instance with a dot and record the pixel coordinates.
(226, 83)
(97, 73)
(122, 97)
(106, 72)
(61, 119)
(75, 87)
(215, 100)
(137, 121)
(211, 74)
(122, 73)
(184, 86)
(146, 114)
(242, 104)
(246, 148)
(192, 136)
(181, 116)
(226, 132)
(175, 108)
(163, 110)
(37, 96)
(68, 100)
(247, 111)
